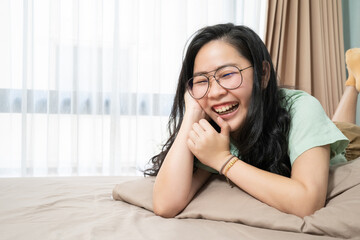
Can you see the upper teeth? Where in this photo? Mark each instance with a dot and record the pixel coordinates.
(225, 108)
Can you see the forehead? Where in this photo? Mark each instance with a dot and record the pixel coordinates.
(217, 53)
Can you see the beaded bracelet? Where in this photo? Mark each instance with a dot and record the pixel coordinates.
(226, 162)
(228, 166)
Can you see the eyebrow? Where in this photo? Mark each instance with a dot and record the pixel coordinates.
(204, 72)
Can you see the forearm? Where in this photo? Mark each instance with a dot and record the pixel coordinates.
(174, 177)
(174, 186)
(285, 194)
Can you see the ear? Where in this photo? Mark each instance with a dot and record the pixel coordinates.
(265, 76)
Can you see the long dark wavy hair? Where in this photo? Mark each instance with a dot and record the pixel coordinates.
(262, 140)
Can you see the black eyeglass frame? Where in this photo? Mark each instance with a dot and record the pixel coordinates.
(207, 76)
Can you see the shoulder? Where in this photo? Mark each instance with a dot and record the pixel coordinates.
(302, 106)
(310, 126)
(297, 97)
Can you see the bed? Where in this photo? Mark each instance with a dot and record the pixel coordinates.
(121, 208)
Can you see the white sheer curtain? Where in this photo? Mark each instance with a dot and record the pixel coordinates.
(86, 86)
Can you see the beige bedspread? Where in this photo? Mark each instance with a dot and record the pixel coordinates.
(217, 201)
(83, 208)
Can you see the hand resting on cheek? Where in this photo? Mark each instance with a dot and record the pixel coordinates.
(192, 107)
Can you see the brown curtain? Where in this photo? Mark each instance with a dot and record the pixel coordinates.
(305, 40)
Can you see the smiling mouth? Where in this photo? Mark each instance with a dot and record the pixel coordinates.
(226, 109)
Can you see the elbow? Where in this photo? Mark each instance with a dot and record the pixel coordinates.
(166, 210)
(308, 207)
(163, 212)
(167, 204)
(305, 211)
(311, 208)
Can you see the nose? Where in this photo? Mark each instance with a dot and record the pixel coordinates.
(215, 90)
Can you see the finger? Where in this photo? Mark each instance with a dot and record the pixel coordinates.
(225, 127)
(198, 129)
(193, 136)
(206, 125)
(190, 144)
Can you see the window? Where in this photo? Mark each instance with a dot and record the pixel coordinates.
(87, 86)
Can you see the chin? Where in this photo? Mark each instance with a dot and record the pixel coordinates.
(234, 128)
(235, 125)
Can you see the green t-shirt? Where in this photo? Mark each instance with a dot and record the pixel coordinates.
(310, 127)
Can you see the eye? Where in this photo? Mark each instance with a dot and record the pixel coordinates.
(227, 75)
(200, 80)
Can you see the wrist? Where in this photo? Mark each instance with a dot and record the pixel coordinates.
(224, 163)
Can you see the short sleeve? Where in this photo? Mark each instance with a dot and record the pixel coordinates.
(311, 127)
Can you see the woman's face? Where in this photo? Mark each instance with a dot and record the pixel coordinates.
(231, 105)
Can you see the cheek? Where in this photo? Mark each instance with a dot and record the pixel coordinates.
(246, 96)
(202, 103)
(205, 106)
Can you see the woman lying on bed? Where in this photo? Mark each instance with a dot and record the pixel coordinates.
(229, 117)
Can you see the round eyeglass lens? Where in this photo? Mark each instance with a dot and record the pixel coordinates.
(198, 86)
(229, 77)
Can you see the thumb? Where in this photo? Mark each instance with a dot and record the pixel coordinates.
(225, 127)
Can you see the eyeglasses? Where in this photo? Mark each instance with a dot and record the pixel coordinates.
(228, 77)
